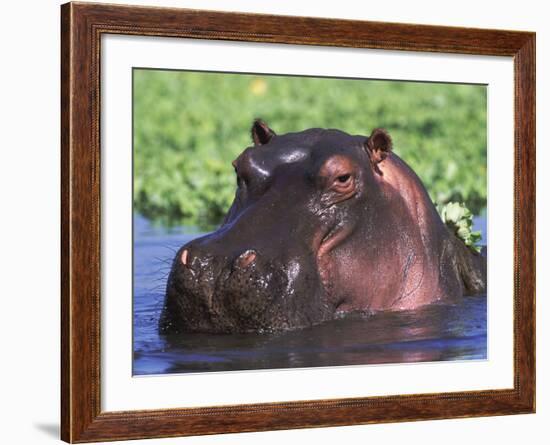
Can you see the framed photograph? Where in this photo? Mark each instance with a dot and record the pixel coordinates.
(274, 222)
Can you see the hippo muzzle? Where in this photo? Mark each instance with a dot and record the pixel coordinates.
(228, 293)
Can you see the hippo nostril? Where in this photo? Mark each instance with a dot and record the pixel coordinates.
(184, 257)
(191, 263)
(246, 258)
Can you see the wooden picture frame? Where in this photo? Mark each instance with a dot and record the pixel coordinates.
(82, 26)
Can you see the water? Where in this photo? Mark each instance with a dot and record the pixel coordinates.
(433, 333)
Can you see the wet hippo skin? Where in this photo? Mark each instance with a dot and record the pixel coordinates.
(323, 224)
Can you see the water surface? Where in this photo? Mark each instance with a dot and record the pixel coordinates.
(432, 333)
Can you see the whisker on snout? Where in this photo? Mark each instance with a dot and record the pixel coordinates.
(163, 260)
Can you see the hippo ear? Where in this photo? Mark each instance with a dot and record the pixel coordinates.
(261, 133)
(378, 145)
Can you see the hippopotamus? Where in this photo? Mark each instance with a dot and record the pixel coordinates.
(324, 224)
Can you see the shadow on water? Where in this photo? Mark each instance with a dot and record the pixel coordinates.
(438, 332)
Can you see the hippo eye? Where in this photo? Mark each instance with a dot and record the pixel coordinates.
(343, 178)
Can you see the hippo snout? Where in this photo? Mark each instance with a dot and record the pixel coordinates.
(219, 293)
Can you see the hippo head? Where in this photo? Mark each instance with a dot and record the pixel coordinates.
(298, 195)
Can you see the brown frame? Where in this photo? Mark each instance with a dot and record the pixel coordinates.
(82, 25)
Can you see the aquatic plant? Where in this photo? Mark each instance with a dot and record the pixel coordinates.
(460, 220)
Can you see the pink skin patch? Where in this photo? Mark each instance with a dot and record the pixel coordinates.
(184, 255)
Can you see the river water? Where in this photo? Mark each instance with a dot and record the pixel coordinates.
(432, 333)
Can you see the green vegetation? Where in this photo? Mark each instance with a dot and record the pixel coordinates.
(460, 220)
(188, 127)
